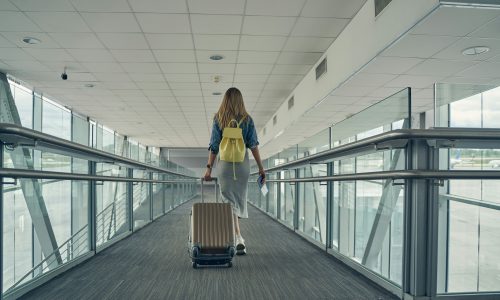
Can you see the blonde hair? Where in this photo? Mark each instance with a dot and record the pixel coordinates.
(232, 107)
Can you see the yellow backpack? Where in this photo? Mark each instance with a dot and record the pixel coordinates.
(232, 146)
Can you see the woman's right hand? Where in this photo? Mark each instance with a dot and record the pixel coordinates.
(208, 175)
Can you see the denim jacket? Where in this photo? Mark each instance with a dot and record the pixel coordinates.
(249, 135)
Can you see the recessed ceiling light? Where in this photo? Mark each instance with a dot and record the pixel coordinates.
(89, 85)
(31, 40)
(216, 93)
(216, 57)
(476, 50)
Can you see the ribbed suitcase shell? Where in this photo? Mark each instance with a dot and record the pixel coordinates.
(212, 227)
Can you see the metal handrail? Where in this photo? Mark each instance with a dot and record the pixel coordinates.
(379, 142)
(398, 175)
(16, 135)
(35, 174)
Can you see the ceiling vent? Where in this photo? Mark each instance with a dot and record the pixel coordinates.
(380, 5)
(291, 102)
(275, 120)
(321, 69)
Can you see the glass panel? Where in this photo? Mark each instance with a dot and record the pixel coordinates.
(471, 231)
(312, 204)
(24, 103)
(158, 196)
(23, 254)
(108, 140)
(287, 198)
(448, 95)
(385, 112)
(141, 200)
(56, 120)
(317, 143)
(271, 204)
(111, 204)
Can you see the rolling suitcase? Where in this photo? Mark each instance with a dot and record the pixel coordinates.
(211, 239)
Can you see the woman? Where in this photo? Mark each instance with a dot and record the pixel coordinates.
(233, 177)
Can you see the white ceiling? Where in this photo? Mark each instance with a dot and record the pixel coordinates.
(149, 59)
(430, 52)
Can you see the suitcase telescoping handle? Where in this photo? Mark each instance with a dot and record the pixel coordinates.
(216, 194)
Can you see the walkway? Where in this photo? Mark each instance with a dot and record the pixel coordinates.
(154, 264)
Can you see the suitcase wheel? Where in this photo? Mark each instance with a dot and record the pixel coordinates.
(196, 251)
(195, 265)
(230, 264)
(232, 251)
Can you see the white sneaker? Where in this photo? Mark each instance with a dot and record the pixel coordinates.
(240, 245)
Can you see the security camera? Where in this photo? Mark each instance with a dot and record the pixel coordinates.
(64, 76)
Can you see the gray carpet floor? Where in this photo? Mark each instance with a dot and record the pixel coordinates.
(154, 264)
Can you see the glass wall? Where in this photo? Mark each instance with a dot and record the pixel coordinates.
(46, 222)
(366, 215)
(472, 231)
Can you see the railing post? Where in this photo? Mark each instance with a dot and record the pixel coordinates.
(278, 197)
(296, 202)
(130, 199)
(163, 188)
(329, 207)
(419, 275)
(151, 197)
(92, 208)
